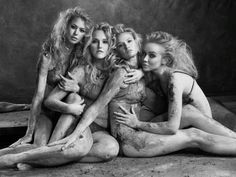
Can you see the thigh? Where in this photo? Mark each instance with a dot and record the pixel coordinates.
(144, 144)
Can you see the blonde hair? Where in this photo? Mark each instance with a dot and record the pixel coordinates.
(119, 29)
(55, 44)
(108, 60)
(177, 52)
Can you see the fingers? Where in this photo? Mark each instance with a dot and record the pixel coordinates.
(59, 142)
(129, 70)
(121, 121)
(71, 76)
(62, 77)
(132, 109)
(118, 114)
(61, 86)
(81, 101)
(69, 144)
(124, 110)
(130, 80)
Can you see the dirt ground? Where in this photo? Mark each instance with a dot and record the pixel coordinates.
(187, 163)
(191, 163)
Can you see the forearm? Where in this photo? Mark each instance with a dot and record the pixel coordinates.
(163, 128)
(57, 105)
(34, 113)
(88, 117)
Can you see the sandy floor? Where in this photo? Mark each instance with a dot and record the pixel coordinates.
(182, 164)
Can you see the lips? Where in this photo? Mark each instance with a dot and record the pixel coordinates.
(74, 38)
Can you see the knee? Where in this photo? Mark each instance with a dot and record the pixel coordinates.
(73, 98)
(111, 151)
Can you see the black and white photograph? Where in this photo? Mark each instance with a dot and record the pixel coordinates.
(118, 88)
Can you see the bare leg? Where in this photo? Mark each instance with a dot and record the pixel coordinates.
(7, 107)
(191, 116)
(65, 121)
(42, 134)
(50, 156)
(143, 144)
(43, 130)
(104, 148)
(212, 143)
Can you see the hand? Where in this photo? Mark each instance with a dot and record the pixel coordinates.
(68, 84)
(133, 76)
(128, 118)
(24, 140)
(77, 108)
(67, 142)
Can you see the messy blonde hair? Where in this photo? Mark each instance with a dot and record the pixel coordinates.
(109, 59)
(177, 52)
(55, 44)
(119, 29)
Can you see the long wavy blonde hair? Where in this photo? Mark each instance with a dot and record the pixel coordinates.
(109, 60)
(177, 52)
(55, 44)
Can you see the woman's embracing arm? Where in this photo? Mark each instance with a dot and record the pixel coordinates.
(111, 88)
(171, 126)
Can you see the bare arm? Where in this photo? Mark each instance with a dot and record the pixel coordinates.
(111, 88)
(54, 99)
(43, 66)
(175, 91)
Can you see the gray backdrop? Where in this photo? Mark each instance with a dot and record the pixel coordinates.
(208, 26)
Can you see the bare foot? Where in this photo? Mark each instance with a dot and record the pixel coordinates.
(23, 166)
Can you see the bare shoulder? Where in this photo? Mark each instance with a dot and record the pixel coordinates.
(118, 75)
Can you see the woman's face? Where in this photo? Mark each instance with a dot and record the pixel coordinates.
(126, 45)
(152, 56)
(99, 47)
(75, 30)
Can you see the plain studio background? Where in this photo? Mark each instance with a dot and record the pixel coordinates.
(208, 26)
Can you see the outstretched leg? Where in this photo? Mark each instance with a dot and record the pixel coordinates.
(52, 155)
(143, 144)
(191, 116)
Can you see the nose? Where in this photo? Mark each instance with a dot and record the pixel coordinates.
(145, 59)
(99, 44)
(126, 46)
(75, 32)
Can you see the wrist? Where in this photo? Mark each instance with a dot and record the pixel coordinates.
(138, 125)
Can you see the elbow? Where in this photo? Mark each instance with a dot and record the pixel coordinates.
(172, 130)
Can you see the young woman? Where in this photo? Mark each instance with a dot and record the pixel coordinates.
(140, 138)
(63, 47)
(169, 62)
(91, 74)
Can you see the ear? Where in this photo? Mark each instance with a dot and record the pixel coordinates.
(165, 60)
